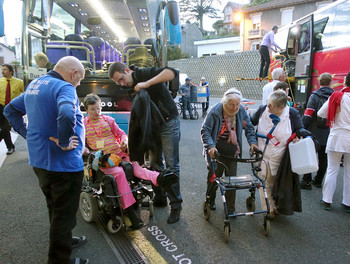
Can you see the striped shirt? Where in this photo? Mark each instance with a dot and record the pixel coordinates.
(100, 130)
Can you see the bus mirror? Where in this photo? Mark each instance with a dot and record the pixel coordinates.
(94, 21)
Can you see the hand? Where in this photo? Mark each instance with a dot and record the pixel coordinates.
(212, 152)
(141, 85)
(73, 143)
(86, 151)
(252, 146)
(295, 140)
(124, 145)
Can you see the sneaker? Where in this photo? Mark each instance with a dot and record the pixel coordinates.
(325, 206)
(316, 184)
(136, 226)
(167, 178)
(192, 118)
(346, 208)
(78, 241)
(174, 215)
(10, 151)
(305, 185)
(79, 261)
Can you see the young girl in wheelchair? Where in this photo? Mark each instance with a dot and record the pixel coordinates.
(102, 133)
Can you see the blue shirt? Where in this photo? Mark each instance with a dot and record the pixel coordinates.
(52, 108)
(269, 41)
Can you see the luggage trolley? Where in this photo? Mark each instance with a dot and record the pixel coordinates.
(249, 181)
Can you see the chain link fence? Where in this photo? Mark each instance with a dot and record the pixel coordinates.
(221, 70)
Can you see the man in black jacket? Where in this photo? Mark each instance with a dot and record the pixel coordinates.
(153, 81)
(321, 132)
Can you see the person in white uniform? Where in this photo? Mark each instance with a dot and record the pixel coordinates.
(337, 111)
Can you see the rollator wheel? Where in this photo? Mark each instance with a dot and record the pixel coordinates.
(151, 209)
(267, 225)
(227, 232)
(195, 115)
(250, 204)
(114, 228)
(206, 210)
(88, 207)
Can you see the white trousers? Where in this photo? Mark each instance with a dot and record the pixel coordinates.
(330, 182)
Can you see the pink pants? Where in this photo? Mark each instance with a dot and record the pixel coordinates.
(123, 186)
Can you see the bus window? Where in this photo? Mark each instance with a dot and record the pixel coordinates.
(292, 42)
(304, 40)
(318, 33)
(35, 12)
(341, 29)
(326, 17)
(62, 23)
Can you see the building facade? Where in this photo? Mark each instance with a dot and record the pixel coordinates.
(219, 46)
(190, 34)
(258, 20)
(232, 18)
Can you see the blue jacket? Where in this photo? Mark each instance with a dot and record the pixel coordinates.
(52, 108)
(213, 122)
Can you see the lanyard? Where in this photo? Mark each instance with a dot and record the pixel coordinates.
(98, 133)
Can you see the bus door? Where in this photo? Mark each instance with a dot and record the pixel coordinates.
(303, 61)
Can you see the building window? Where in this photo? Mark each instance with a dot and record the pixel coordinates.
(254, 45)
(256, 21)
(287, 16)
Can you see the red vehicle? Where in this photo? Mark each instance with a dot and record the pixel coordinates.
(314, 44)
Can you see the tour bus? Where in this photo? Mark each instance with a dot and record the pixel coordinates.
(314, 44)
(97, 32)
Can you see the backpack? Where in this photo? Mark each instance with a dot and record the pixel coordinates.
(321, 122)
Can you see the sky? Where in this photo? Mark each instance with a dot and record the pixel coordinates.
(13, 18)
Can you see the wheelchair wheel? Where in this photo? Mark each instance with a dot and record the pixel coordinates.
(227, 231)
(267, 225)
(195, 114)
(113, 228)
(88, 207)
(250, 204)
(206, 210)
(151, 208)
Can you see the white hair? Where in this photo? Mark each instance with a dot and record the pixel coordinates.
(276, 73)
(231, 93)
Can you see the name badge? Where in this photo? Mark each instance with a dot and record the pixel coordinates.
(100, 144)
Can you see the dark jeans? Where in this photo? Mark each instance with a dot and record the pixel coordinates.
(5, 132)
(265, 61)
(62, 192)
(322, 167)
(186, 105)
(212, 187)
(169, 139)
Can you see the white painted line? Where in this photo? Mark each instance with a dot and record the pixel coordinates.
(3, 148)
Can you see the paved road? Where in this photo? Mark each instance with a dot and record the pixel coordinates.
(313, 236)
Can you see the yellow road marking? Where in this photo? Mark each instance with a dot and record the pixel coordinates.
(145, 246)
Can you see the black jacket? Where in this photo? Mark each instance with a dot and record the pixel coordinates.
(158, 93)
(309, 122)
(145, 122)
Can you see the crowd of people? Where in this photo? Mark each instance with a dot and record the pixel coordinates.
(58, 136)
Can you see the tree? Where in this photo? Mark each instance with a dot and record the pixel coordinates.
(175, 53)
(218, 25)
(196, 9)
(258, 2)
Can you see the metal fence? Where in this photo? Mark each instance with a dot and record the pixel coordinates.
(221, 70)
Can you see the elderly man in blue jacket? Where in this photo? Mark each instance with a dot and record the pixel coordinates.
(55, 139)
